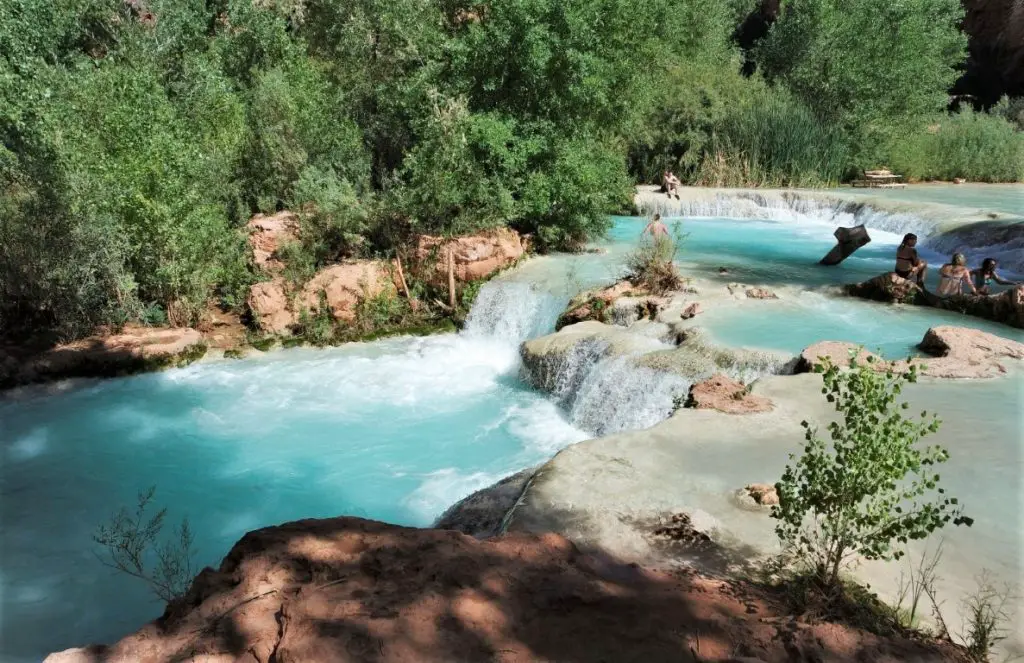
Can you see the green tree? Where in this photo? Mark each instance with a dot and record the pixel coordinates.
(871, 488)
(868, 65)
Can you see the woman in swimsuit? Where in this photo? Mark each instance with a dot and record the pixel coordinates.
(986, 274)
(953, 275)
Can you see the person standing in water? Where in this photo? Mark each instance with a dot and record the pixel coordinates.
(656, 229)
(986, 274)
(908, 263)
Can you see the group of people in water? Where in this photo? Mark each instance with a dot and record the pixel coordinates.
(952, 276)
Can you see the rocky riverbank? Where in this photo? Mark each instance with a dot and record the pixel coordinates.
(350, 590)
(275, 307)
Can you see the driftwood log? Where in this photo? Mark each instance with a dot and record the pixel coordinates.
(848, 240)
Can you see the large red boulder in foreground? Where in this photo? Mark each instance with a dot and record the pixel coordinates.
(345, 590)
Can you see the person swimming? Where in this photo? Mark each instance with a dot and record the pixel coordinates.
(908, 263)
(953, 275)
(986, 274)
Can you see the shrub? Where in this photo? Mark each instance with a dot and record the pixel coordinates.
(652, 264)
(972, 145)
(871, 489)
(986, 613)
(130, 541)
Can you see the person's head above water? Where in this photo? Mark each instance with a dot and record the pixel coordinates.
(910, 239)
(657, 217)
(989, 265)
(959, 259)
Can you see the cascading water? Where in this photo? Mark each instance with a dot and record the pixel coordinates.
(617, 395)
(512, 312)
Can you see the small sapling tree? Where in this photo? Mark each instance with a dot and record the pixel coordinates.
(871, 488)
(130, 541)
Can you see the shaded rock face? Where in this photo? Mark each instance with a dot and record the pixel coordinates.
(889, 287)
(475, 256)
(267, 234)
(481, 514)
(133, 350)
(960, 352)
(725, 395)
(1006, 307)
(345, 590)
(995, 66)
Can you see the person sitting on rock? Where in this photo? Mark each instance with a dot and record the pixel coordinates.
(986, 274)
(670, 184)
(953, 275)
(908, 263)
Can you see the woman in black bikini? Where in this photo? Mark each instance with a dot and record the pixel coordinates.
(908, 263)
(986, 274)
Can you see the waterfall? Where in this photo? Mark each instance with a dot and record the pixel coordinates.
(616, 395)
(512, 311)
(1002, 241)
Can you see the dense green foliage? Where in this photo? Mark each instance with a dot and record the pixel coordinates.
(971, 145)
(870, 488)
(138, 136)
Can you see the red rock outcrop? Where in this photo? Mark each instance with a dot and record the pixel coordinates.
(346, 590)
(268, 303)
(725, 395)
(959, 352)
(267, 234)
(133, 349)
(345, 285)
(838, 352)
(475, 256)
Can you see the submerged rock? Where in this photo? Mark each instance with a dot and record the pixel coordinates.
(760, 293)
(757, 496)
(481, 514)
(720, 393)
(838, 352)
(690, 311)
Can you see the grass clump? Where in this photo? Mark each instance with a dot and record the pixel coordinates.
(651, 266)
